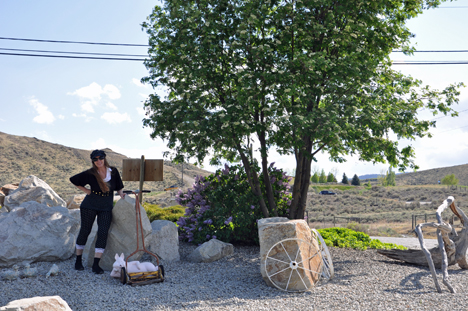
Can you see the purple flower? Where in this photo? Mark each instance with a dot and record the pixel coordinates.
(213, 237)
(288, 203)
(207, 236)
(228, 221)
(208, 221)
(272, 163)
(252, 207)
(200, 228)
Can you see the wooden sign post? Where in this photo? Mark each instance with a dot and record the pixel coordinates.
(142, 170)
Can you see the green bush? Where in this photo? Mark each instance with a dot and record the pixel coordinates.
(222, 206)
(343, 237)
(155, 212)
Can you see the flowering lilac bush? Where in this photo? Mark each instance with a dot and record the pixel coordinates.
(222, 206)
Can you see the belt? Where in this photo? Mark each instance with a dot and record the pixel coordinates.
(102, 194)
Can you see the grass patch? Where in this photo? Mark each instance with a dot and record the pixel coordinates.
(155, 212)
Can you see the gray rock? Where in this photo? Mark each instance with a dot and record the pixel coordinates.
(36, 232)
(33, 189)
(74, 201)
(164, 240)
(122, 235)
(211, 251)
(48, 303)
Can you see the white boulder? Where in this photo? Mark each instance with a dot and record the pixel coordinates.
(164, 240)
(211, 251)
(301, 248)
(47, 303)
(33, 189)
(36, 232)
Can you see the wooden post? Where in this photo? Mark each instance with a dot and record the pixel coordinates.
(142, 179)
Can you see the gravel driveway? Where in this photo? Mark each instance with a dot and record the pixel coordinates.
(364, 280)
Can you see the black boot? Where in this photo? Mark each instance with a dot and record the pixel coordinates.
(96, 268)
(78, 264)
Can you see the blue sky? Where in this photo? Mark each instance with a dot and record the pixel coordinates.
(91, 104)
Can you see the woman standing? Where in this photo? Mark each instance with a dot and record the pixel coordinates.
(103, 181)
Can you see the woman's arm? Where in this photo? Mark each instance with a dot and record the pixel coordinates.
(121, 193)
(85, 190)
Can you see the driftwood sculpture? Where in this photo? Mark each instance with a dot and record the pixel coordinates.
(451, 250)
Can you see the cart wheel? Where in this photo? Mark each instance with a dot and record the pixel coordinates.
(292, 273)
(328, 270)
(123, 276)
(161, 267)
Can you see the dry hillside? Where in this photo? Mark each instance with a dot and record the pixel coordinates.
(432, 176)
(22, 156)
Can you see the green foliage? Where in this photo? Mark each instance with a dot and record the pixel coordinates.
(387, 179)
(331, 178)
(345, 179)
(355, 181)
(303, 76)
(343, 237)
(450, 180)
(315, 178)
(322, 177)
(155, 212)
(222, 206)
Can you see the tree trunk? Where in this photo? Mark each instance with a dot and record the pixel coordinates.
(301, 183)
(254, 182)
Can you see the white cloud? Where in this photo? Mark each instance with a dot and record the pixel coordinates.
(111, 91)
(116, 117)
(90, 95)
(44, 115)
(111, 106)
(61, 116)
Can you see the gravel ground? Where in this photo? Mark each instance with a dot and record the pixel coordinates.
(364, 280)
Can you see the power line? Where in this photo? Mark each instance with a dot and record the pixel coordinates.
(69, 56)
(75, 42)
(145, 45)
(64, 52)
(431, 63)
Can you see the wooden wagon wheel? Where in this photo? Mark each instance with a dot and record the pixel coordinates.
(291, 271)
(328, 271)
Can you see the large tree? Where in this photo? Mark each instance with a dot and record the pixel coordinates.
(300, 76)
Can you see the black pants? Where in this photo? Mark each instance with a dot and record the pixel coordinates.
(104, 219)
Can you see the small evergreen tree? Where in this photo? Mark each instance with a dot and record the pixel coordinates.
(331, 177)
(315, 178)
(345, 179)
(355, 181)
(323, 177)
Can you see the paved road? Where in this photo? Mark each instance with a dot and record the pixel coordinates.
(412, 243)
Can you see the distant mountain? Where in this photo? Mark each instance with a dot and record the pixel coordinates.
(22, 156)
(369, 176)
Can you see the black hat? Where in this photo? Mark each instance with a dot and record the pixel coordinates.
(98, 153)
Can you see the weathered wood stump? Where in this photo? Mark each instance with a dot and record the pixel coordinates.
(452, 246)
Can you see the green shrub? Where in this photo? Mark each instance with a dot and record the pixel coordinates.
(343, 237)
(155, 212)
(222, 206)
